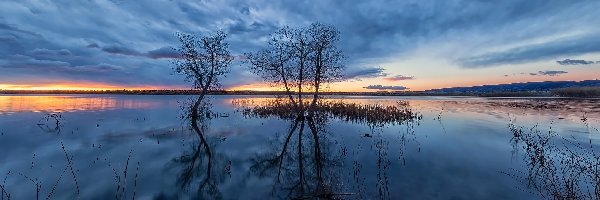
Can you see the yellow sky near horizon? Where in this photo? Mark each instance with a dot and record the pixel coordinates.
(427, 76)
(347, 86)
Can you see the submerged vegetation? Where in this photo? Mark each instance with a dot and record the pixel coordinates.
(309, 166)
(375, 115)
(558, 167)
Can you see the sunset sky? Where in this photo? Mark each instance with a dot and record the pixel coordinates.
(395, 45)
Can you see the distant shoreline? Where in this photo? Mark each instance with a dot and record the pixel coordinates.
(521, 94)
(220, 92)
(582, 89)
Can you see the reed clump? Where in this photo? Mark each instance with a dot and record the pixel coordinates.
(351, 112)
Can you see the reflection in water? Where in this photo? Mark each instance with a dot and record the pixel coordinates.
(563, 108)
(307, 165)
(345, 148)
(302, 167)
(201, 168)
(51, 123)
(558, 167)
(52, 104)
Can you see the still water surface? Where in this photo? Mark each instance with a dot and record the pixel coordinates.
(121, 146)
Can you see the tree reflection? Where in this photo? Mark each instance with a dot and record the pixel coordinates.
(304, 162)
(298, 164)
(201, 168)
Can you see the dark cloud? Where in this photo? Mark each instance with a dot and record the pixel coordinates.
(48, 52)
(8, 38)
(243, 27)
(102, 67)
(13, 28)
(93, 45)
(364, 72)
(399, 78)
(16, 40)
(117, 49)
(568, 46)
(548, 73)
(551, 73)
(385, 87)
(163, 52)
(245, 10)
(574, 62)
(29, 63)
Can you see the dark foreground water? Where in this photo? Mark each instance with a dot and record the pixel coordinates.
(143, 147)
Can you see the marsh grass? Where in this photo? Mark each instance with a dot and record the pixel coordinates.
(558, 167)
(39, 184)
(373, 115)
(43, 191)
(3, 188)
(120, 178)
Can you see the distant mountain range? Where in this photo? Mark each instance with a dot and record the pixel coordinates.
(517, 87)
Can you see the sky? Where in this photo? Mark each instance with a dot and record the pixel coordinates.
(389, 45)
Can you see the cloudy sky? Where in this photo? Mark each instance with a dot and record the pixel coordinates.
(393, 45)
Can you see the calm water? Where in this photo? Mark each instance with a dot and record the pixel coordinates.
(119, 146)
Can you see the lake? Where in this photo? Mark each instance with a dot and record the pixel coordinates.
(250, 147)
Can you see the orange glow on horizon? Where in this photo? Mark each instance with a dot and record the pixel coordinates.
(334, 87)
(51, 104)
(419, 84)
(255, 87)
(75, 86)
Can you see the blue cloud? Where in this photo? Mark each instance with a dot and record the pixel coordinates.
(364, 72)
(549, 73)
(116, 49)
(48, 52)
(535, 52)
(163, 52)
(137, 36)
(574, 62)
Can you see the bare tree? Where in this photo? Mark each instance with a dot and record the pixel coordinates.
(274, 64)
(326, 59)
(300, 59)
(203, 60)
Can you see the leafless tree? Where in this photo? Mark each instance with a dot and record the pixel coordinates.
(300, 59)
(274, 64)
(203, 61)
(326, 59)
